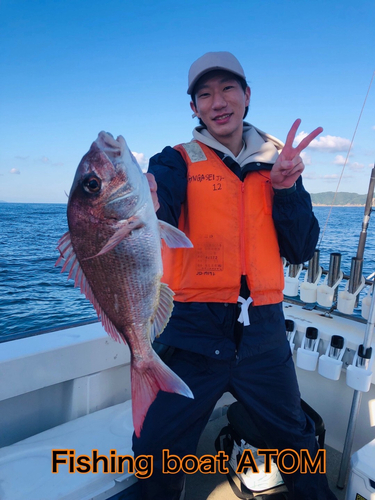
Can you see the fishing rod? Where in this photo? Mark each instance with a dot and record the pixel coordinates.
(347, 157)
(357, 262)
(364, 350)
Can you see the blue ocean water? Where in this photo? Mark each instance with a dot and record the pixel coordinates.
(34, 295)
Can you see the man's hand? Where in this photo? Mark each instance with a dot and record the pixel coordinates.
(153, 189)
(289, 165)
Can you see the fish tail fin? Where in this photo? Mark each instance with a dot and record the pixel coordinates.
(147, 381)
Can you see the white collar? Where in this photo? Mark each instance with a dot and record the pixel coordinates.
(258, 146)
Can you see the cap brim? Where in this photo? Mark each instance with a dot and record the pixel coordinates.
(204, 72)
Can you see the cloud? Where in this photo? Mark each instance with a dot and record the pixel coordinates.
(306, 158)
(326, 177)
(331, 176)
(335, 177)
(142, 160)
(339, 160)
(14, 171)
(21, 157)
(328, 143)
(48, 161)
(356, 167)
(309, 175)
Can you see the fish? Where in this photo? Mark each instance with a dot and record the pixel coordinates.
(112, 250)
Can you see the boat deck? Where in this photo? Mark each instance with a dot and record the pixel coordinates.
(216, 486)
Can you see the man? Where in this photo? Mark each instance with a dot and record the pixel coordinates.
(237, 194)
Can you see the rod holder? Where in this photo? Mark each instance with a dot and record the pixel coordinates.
(334, 268)
(330, 363)
(346, 301)
(359, 374)
(309, 290)
(355, 274)
(291, 329)
(364, 356)
(314, 269)
(326, 294)
(291, 281)
(327, 291)
(307, 354)
(366, 303)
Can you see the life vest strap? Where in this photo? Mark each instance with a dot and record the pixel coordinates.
(244, 315)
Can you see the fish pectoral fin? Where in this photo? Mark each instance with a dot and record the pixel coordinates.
(69, 262)
(173, 237)
(126, 227)
(163, 312)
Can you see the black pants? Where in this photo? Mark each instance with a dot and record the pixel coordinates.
(265, 384)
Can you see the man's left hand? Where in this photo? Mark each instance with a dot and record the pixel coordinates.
(153, 189)
(289, 165)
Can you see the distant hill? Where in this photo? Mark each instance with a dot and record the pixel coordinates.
(342, 199)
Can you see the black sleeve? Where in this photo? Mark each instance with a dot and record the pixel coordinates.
(296, 225)
(169, 169)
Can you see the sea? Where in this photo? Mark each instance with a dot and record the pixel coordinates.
(35, 296)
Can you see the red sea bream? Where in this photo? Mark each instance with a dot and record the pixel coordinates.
(113, 253)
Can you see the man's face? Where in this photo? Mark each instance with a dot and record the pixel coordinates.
(220, 103)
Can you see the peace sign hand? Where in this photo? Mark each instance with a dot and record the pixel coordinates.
(289, 165)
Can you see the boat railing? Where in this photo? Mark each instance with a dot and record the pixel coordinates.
(41, 331)
(330, 290)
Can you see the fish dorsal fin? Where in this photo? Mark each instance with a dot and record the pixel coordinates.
(173, 237)
(69, 263)
(163, 312)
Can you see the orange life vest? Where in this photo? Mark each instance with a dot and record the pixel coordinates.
(230, 225)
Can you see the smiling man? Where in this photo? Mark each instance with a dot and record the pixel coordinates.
(237, 193)
(219, 101)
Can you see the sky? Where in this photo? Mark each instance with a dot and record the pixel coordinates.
(69, 69)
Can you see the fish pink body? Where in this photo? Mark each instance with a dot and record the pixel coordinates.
(113, 252)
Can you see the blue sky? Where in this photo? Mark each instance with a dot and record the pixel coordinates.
(69, 69)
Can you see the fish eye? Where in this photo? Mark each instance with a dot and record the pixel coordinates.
(92, 184)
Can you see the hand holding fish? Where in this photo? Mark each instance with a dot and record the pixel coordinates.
(153, 190)
(289, 165)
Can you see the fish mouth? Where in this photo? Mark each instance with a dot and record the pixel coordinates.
(119, 155)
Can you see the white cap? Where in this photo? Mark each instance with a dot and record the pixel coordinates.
(212, 61)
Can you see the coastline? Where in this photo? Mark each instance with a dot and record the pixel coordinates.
(348, 206)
